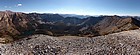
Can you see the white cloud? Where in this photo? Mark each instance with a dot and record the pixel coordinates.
(18, 5)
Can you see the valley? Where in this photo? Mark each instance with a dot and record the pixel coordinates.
(16, 24)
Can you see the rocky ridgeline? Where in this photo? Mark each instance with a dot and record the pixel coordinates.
(122, 43)
(16, 24)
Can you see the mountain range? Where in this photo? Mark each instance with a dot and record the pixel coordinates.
(15, 24)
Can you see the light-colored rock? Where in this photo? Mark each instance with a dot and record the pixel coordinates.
(123, 43)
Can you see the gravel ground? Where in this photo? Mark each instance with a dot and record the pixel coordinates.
(123, 43)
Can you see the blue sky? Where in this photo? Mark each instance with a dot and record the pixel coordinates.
(82, 7)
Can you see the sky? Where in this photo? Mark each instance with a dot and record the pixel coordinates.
(81, 7)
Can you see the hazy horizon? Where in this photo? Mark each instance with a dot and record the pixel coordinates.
(79, 7)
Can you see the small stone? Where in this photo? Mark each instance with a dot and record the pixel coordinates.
(48, 46)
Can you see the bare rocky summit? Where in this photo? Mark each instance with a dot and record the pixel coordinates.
(122, 43)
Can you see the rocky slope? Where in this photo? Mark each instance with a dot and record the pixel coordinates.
(122, 43)
(15, 23)
(113, 24)
(116, 24)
